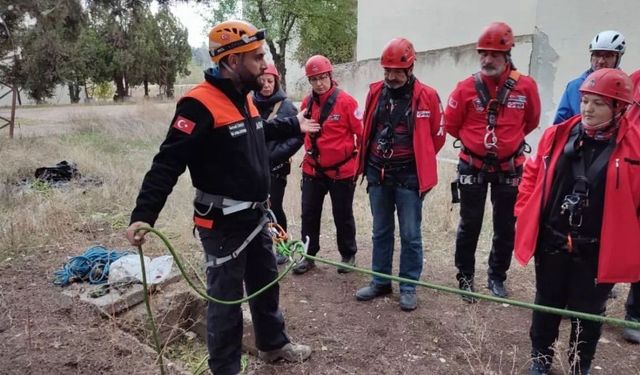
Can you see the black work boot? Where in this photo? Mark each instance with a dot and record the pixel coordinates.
(497, 288)
(466, 284)
(372, 291)
(351, 261)
(304, 266)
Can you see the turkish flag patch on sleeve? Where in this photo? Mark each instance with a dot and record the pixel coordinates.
(183, 124)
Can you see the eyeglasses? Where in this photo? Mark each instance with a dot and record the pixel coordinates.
(604, 54)
(318, 78)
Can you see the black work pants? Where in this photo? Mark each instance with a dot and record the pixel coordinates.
(472, 203)
(341, 192)
(567, 280)
(256, 267)
(633, 302)
(276, 196)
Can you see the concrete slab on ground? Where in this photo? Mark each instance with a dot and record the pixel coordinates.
(118, 298)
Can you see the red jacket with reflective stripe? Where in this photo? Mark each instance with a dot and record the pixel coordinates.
(466, 118)
(619, 257)
(428, 130)
(339, 138)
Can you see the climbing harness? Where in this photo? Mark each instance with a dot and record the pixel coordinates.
(314, 152)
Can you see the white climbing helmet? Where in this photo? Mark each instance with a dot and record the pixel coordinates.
(609, 40)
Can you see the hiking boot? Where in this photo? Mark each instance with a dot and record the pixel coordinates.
(497, 288)
(304, 266)
(290, 353)
(351, 261)
(281, 259)
(372, 291)
(631, 335)
(466, 284)
(408, 301)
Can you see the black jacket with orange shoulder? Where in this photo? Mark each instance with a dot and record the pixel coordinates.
(218, 134)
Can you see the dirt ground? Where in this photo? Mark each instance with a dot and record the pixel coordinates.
(42, 332)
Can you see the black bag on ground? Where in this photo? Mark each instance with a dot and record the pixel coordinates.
(63, 171)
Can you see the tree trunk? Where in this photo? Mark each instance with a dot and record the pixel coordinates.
(74, 92)
(120, 90)
(146, 88)
(279, 62)
(170, 90)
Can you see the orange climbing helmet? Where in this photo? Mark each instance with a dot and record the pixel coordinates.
(233, 36)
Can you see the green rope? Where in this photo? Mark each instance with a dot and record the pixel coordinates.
(290, 248)
(296, 251)
(442, 288)
(199, 291)
(152, 323)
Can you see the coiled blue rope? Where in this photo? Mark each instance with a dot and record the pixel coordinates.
(92, 266)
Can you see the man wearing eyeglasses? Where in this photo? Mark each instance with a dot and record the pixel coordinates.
(218, 134)
(606, 49)
(329, 162)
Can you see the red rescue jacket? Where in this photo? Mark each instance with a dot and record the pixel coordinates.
(428, 130)
(466, 118)
(339, 138)
(633, 113)
(619, 256)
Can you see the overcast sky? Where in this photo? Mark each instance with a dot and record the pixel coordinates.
(190, 15)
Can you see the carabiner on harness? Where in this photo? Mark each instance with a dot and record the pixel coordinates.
(490, 140)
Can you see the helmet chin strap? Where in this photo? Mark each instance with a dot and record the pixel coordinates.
(613, 121)
(233, 73)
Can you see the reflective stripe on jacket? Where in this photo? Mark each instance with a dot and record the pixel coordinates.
(428, 130)
(466, 118)
(339, 137)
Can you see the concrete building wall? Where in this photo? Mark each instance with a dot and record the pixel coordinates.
(552, 39)
(433, 25)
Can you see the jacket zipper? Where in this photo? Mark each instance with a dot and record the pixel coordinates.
(617, 173)
(544, 183)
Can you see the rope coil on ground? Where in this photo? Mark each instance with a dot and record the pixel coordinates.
(92, 265)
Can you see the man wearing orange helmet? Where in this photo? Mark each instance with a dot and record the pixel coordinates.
(489, 114)
(217, 133)
(272, 102)
(577, 213)
(403, 132)
(329, 162)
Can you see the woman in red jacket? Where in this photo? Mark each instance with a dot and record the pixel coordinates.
(577, 212)
(330, 161)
